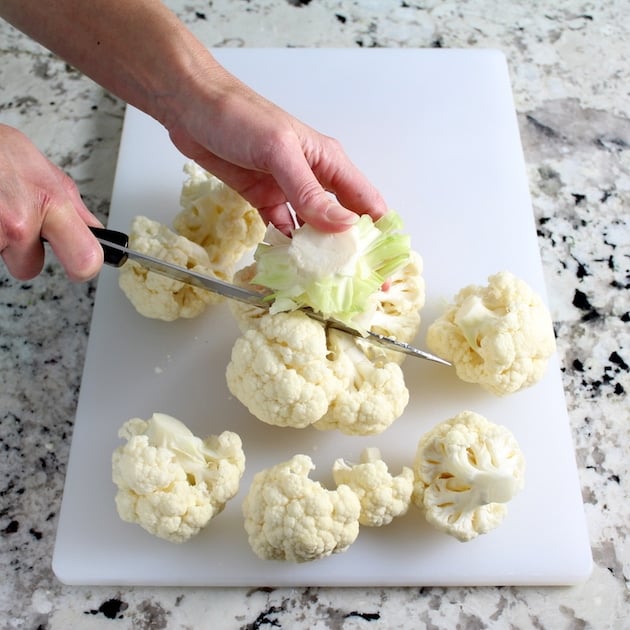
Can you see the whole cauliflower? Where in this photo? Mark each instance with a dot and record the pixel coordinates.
(383, 496)
(154, 295)
(217, 218)
(289, 516)
(351, 385)
(171, 482)
(500, 335)
(466, 469)
(280, 370)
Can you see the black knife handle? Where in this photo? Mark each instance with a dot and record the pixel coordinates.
(112, 256)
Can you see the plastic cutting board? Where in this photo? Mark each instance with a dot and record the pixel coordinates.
(437, 133)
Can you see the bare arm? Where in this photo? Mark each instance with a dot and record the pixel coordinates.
(140, 51)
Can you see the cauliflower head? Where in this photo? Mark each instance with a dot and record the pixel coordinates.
(154, 295)
(499, 335)
(466, 469)
(358, 388)
(383, 496)
(171, 482)
(217, 218)
(280, 372)
(290, 517)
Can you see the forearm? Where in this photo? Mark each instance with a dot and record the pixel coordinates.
(137, 49)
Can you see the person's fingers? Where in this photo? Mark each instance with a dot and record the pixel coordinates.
(323, 186)
(76, 248)
(24, 261)
(353, 190)
(307, 197)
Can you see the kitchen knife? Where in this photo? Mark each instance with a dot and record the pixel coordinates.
(116, 254)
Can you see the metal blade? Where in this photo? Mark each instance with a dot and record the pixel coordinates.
(253, 298)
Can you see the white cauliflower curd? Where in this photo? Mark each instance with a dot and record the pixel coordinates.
(289, 370)
(280, 372)
(466, 470)
(383, 496)
(500, 335)
(217, 218)
(153, 295)
(171, 482)
(290, 517)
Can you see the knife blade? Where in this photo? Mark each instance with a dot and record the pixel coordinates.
(116, 254)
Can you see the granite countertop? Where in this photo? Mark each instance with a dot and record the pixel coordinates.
(569, 61)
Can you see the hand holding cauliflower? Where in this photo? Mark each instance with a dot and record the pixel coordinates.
(289, 516)
(500, 336)
(171, 482)
(466, 470)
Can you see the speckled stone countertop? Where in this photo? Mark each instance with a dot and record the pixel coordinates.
(570, 67)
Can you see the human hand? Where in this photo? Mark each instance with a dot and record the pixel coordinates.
(270, 157)
(38, 200)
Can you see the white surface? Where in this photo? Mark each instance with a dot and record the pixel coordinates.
(436, 131)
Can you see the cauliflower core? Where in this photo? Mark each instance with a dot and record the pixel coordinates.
(466, 469)
(383, 496)
(500, 336)
(154, 295)
(171, 482)
(289, 516)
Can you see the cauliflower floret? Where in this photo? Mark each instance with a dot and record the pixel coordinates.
(383, 496)
(154, 295)
(217, 218)
(171, 482)
(500, 336)
(371, 395)
(280, 372)
(466, 469)
(289, 516)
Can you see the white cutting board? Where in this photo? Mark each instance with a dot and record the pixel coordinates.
(436, 131)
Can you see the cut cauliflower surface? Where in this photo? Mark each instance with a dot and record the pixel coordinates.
(466, 469)
(216, 217)
(280, 372)
(383, 496)
(154, 295)
(171, 482)
(499, 335)
(290, 517)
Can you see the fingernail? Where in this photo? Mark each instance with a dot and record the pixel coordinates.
(337, 214)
